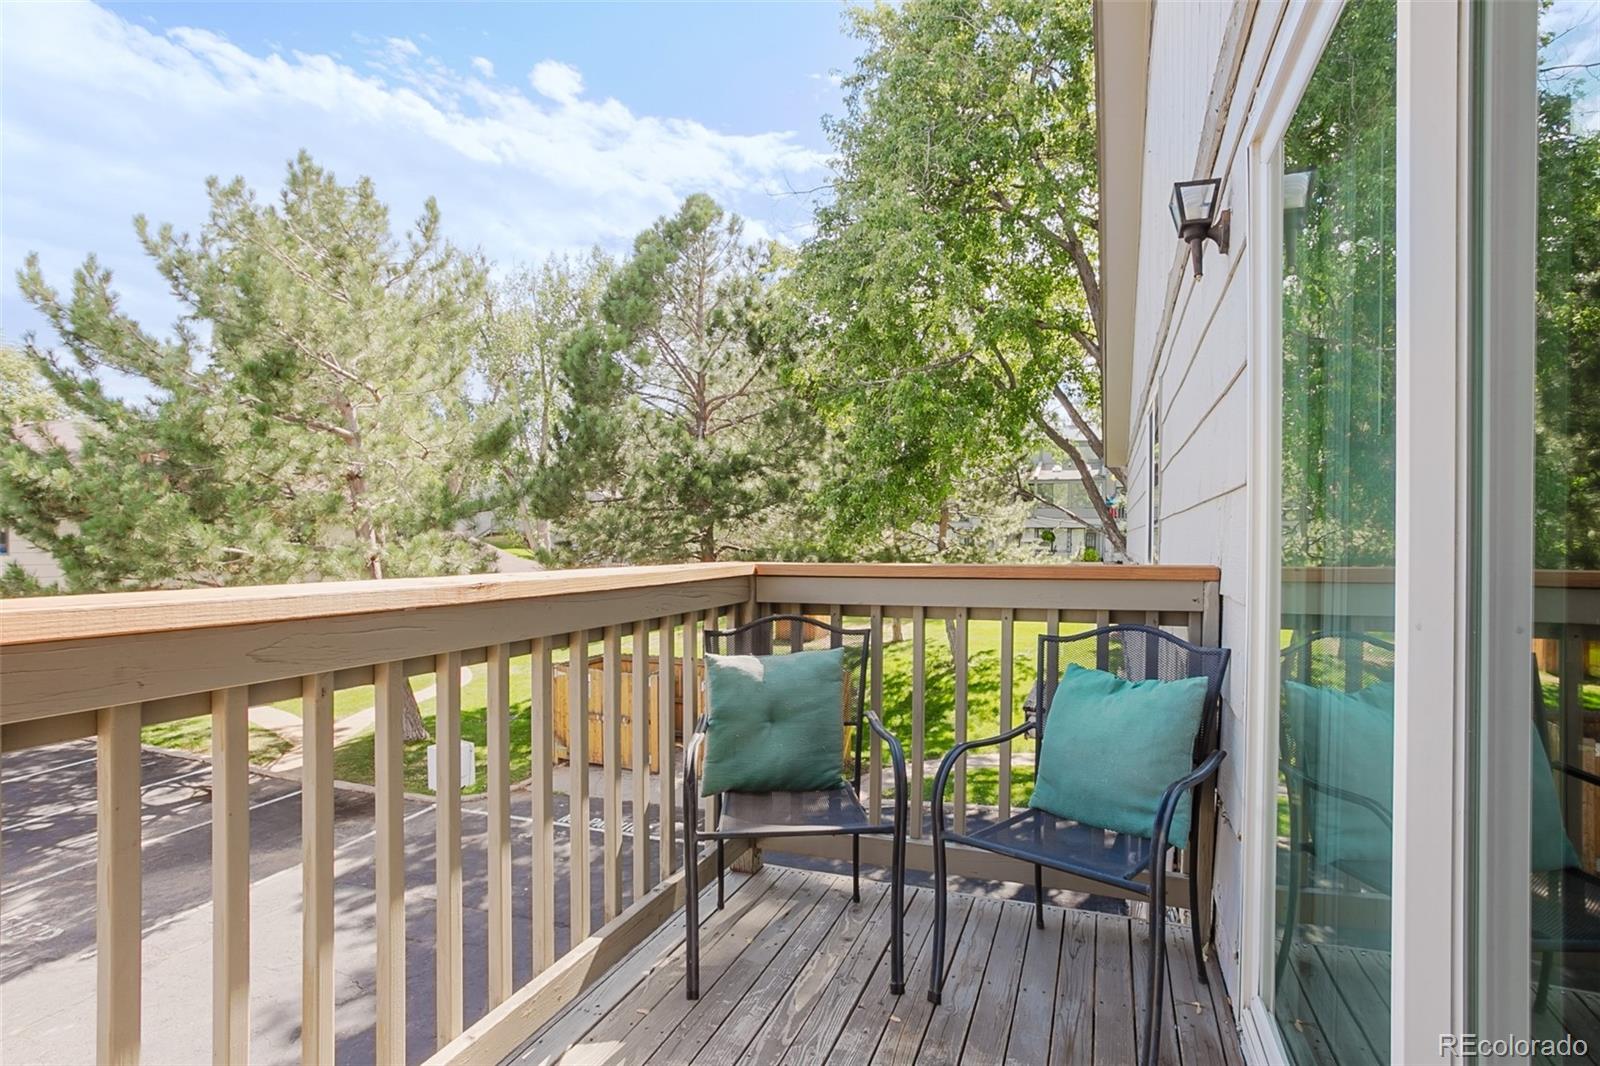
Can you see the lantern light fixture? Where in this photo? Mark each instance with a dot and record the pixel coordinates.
(1195, 216)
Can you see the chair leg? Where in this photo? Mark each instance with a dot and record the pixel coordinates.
(721, 856)
(897, 899)
(1038, 895)
(691, 912)
(936, 971)
(1150, 1052)
(1545, 964)
(1291, 915)
(1194, 926)
(855, 866)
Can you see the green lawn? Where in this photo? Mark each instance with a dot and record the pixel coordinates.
(983, 697)
(194, 734)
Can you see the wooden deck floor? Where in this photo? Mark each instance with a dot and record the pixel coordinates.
(792, 971)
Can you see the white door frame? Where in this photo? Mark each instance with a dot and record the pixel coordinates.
(1496, 995)
(1428, 902)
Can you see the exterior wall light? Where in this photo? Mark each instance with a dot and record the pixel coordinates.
(1194, 213)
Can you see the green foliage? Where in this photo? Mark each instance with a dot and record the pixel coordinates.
(1567, 418)
(530, 319)
(307, 416)
(679, 439)
(951, 286)
(1339, 303)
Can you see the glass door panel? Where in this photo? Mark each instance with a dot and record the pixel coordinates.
(1336, 699)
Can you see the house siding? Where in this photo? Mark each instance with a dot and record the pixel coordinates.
(1192, 351)
(34, 560)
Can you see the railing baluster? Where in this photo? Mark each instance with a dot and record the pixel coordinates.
(118, 888)
(316, 870)
(448, 968)
(639, 714)
(388, 753)
(578, 782)
(691, 689)
(497, 726)
(1007, 705)
(874, 745)
(666, 726)
(959, 654)
(230, 875)
(542, 748)
(919, 691)
(708, 621)
(611, 757)
(1102, 643)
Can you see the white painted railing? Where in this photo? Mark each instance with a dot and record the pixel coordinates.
(105, 666)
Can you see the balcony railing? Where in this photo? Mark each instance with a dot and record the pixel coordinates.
(105, 666)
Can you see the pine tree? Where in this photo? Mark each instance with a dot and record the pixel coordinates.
(681, 439)
(307, 419)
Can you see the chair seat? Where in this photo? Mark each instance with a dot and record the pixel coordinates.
(1566, 910)
(1040, 837)
(776, 814)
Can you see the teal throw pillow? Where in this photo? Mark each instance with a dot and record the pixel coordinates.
(775, 722)
(1345, 740)
(1112, 746)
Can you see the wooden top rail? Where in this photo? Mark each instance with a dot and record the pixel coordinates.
(110, 614)
(47, 618)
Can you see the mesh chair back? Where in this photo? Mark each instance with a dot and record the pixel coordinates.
(1347, 662)
(785, 634)
(1342, 662)
(1135, 653)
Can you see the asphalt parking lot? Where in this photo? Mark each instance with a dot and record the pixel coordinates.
(47, 902)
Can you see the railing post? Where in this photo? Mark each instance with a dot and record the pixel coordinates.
(230, 876)
(448, 969)
(388, 750)
(118, 888)
(666, 726)
(874, 744)
(919, 693)
(578, 783)
(959, 656)
(316, 870)
(542, 748)
(497, 724)
(1007, 707)
(611, 757)
(639, 713)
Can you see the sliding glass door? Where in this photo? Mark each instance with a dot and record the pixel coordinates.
(1336, 698)
(1537, 246)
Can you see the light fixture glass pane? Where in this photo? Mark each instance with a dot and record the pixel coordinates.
(1197, 201)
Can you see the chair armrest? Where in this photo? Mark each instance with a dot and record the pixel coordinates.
(1168, 807)
(1572, 771)
(691, 775)
(948, 763)
(1344, 795)
(897, 761)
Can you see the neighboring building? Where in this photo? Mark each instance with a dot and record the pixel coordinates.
(32, 559)
(1064, 523)
(1341, 415)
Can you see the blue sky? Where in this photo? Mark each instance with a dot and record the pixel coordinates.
(539, 127)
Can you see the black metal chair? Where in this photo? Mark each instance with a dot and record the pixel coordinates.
(1135, 864)
(1565, 904)
(834, 812)
(1346, 662)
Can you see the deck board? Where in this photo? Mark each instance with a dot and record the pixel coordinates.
(793, 971)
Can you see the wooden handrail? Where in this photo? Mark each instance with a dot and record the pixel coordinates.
(110, 614)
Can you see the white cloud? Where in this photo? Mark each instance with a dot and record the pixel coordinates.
(483, 66)
(559, 81)
(105, 118)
